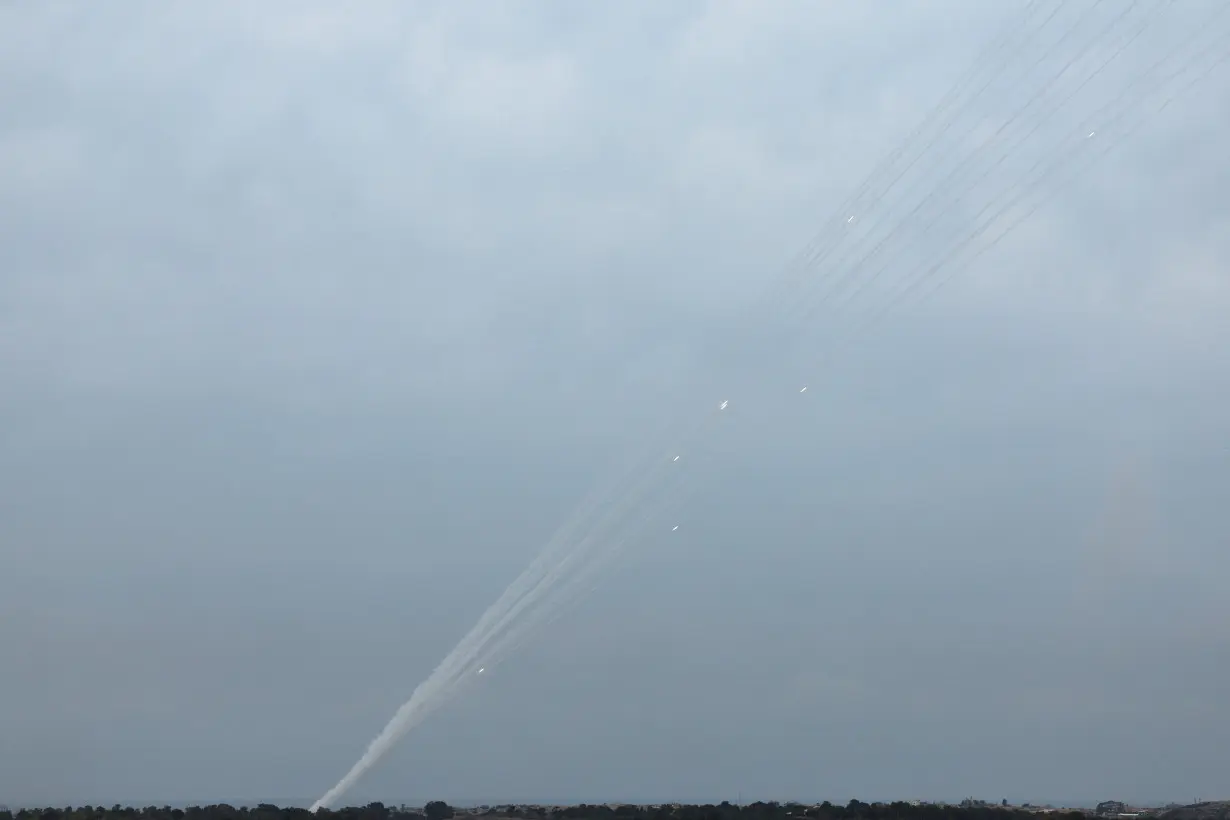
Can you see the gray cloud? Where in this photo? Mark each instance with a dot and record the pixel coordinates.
(314, 326)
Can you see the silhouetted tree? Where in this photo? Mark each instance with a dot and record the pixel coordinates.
(438, 810)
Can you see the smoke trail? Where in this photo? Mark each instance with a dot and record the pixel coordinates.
(559, 574)
(617, 513)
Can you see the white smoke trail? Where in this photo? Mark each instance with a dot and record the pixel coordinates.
(614, 515)
(558, 575)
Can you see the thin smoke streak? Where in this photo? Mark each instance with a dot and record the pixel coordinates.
(612, 518)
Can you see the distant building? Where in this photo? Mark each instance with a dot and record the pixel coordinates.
(1107, 807)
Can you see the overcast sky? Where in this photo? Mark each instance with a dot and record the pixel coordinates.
(315, 324)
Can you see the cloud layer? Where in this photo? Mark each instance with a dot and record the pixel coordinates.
(313, 326)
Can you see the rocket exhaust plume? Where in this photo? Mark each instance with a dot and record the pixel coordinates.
(866, 262)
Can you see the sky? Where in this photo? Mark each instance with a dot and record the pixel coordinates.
(314, 324)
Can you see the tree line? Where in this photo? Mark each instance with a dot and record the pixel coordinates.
(439, 810)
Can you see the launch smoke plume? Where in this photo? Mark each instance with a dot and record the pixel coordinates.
(928, 210)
